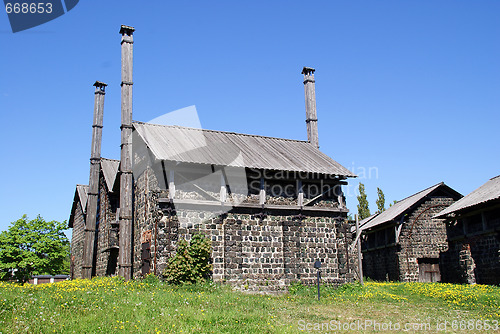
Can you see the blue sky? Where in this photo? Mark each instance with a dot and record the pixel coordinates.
(410, 89)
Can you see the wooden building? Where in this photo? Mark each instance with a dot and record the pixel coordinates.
(473, 230)
(404, 242)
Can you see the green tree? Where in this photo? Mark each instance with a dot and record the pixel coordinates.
(363, 209)
(33, 247)
(380, 200)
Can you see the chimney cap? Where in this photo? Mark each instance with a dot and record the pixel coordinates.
(99, 84)
(126, 30)
(307, 70)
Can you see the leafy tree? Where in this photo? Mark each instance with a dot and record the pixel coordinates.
(33, 247)
(380, 200)
(363, 210)
(191, 263)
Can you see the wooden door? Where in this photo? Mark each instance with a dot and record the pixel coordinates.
(429, 272)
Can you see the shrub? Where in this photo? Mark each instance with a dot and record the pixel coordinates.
(191, 263)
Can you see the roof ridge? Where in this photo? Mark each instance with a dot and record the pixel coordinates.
(494, 177)
(421, 191)
(228, 132)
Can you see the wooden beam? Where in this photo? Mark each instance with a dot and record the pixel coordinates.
(229, 206)
(360, 263)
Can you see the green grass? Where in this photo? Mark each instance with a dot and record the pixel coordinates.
(110, 305)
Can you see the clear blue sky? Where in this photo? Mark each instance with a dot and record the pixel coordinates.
(411, 88)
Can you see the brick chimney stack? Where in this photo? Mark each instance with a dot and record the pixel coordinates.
(310, 94)
(125, 236)
(95, 162)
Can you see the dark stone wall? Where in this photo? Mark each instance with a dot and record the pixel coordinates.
(382, 264)
(250, 252)
(424, 238)
(107, 230)
(474, 249)
(421, 237)
(457, 264)
(267, 254)
(77, 240)
(146, 217)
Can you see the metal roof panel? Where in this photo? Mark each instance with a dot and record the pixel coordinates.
(190, 145)
(487, 192)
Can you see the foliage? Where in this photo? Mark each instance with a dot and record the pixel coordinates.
(191, 263)
(380, 201)
(33, 247)
(200, 250)
(363, 210)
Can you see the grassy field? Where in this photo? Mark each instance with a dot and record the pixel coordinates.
(110, 305)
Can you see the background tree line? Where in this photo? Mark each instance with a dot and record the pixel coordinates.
(363, 206)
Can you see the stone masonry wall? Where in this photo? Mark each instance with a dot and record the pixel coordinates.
(475, 257)
(107, 217)
(249, 252)
(77, 242)
(422, 238)
(457, 264)
(473, 260)
(146, 217)
(486, 254)
(267, 254)
(381, 264)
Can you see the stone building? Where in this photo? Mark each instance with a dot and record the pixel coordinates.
(106, 257)
(270, 206)
(473, 229)
(77, 223)
(404, 242)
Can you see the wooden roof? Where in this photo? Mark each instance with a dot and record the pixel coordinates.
(401, 207)
(110, 171)
(81, 196)
(490, 191)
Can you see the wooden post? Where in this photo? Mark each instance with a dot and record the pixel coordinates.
(95, 162)
(125, 237)
(262, 194)
(300, 197)
(360, 264)
(171, 184)
(223, 189)
(310, 95)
